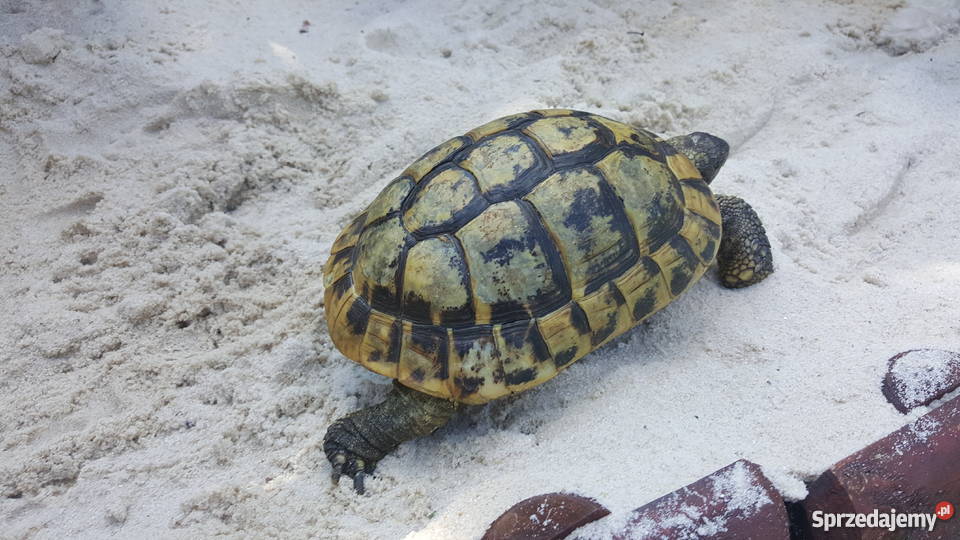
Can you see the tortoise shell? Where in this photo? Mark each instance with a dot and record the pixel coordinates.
(502, 256)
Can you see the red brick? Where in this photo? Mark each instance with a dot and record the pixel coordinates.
(910, 470)
(919, 377)
(735, 502)
(545, 517)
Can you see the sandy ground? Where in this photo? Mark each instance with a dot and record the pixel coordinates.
(173, 173)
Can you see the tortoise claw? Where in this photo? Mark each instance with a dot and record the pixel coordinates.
(337, 463)
(358, 482)
(352, 467)
(335, 476)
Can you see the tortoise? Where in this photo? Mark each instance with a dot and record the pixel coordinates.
(502, 256)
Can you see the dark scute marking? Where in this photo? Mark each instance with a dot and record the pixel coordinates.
(342, 285)
(457, 317)
(523, 120)
(588, 155)
(666, 149)
(565, 356)
(700, 186)
(682, 273)
(424, 337)
(443, 355)
(468, 385)
(375, 356)
(432, 342)
(417, 375)
(650, 266)
(386, 217)
(578, 319)
(645, 304)
(712, 232)
(463, 267)
(462, 315)
(344, 253)
(708, 250)
(508, 310)
(416, 308)
(617, 295)
(540, 350)
(357, 224)
(397, 306)
(604, 332)
(538, 230)
(712, 228)
(515, 334)
(498, 374)
(464, 338)
(393, 353)
(523, 333)
(630, 250)
(502, 253)
(607, 137)
(586, 204)
(663, 224)
(358, 316)
(365, 292)
(681, 278)
(634, 150)
(520, 376)
(383, 299)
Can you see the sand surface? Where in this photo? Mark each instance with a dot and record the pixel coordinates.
(172, 175)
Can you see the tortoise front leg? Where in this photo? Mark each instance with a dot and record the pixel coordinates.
(355, 443)
(744, 257)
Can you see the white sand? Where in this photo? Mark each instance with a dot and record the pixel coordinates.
(172, 175)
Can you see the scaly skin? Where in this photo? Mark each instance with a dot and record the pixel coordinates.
(355, 443)
(744, 257)
(706, 152)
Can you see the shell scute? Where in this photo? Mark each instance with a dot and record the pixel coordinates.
(375, 272)
(436, 283)
(510, 265)
(587, 222)
(444, 199)
(434, 157)
(654, 206)
(501, 165)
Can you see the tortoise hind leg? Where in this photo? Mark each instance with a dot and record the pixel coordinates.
(355, 443)
(744, 257)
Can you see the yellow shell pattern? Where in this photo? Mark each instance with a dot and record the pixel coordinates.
(502, 256)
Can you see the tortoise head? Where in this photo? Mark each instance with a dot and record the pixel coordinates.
(706, 152)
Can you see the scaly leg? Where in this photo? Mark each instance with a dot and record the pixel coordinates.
(355, 443)
(744, 257)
